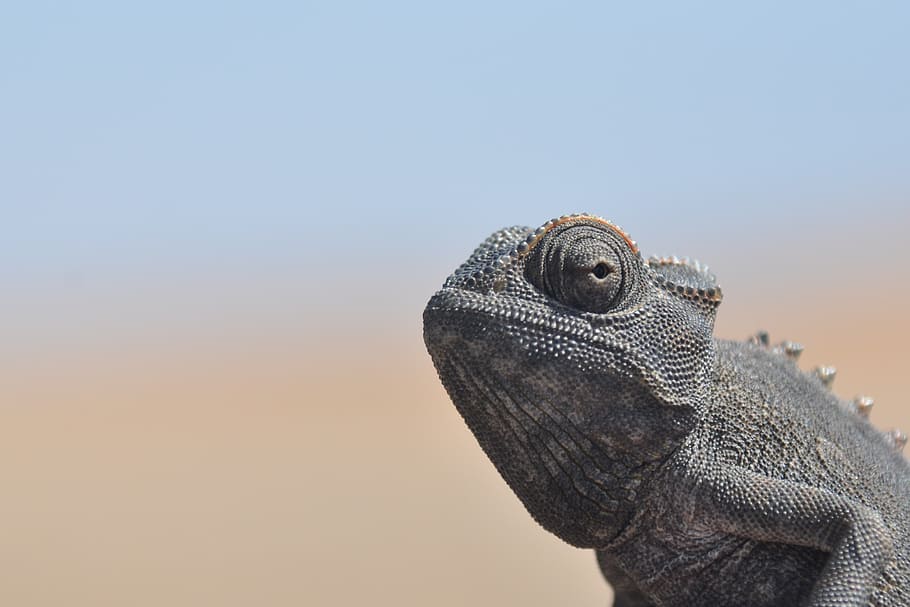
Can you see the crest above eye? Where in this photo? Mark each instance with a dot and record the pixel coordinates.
(540, 232)
(687, 278)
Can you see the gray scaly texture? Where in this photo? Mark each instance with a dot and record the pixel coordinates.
(701, 471)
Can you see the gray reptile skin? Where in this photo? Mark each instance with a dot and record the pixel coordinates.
(702, 471)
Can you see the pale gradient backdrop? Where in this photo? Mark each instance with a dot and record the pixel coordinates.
(220, 224)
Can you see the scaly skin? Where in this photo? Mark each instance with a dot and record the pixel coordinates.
(701, 471)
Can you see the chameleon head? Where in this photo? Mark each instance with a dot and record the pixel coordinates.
(576, 364)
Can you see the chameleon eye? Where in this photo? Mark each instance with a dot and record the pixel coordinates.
(581, 265)
(601, 270)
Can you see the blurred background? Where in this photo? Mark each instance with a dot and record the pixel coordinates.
(220, 223)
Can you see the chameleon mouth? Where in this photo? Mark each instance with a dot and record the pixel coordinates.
(523, 319)
(545, 334)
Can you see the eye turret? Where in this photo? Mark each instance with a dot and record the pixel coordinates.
(586, 265)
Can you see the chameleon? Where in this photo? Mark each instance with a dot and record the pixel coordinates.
(701, 471)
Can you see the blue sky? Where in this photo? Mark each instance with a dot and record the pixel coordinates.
(176, 134)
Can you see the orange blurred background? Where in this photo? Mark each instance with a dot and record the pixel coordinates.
(236, 443)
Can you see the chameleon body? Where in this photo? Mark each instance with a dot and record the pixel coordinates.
(701, 471)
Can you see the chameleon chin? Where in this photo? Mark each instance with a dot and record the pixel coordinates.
(701, 471)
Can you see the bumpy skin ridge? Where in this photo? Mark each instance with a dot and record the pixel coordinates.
(701, 471)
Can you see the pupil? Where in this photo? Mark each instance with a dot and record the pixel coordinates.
(600, 270)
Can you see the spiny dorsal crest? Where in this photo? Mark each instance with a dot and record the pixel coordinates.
(860, 406)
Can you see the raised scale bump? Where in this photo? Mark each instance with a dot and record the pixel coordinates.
(826, 374)
(790, 349)
(761, 338)
(897, 439)
(863, 405)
